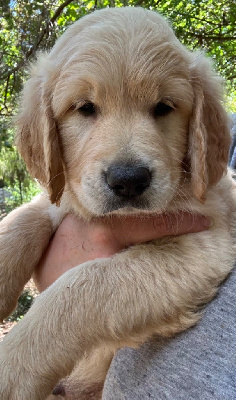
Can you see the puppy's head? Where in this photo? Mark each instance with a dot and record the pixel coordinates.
(122, 113)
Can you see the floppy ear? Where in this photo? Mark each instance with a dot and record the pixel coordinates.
(209, 133)
(37, 139)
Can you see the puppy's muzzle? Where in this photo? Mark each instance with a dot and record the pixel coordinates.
(128, 181)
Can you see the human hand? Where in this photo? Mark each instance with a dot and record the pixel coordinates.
(77, 241)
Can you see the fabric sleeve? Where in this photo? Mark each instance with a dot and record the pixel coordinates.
(198, 364)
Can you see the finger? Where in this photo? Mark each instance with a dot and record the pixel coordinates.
(133, 230)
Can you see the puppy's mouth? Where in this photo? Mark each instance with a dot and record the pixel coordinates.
(124, 208)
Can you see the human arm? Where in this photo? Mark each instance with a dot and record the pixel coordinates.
(77, 241)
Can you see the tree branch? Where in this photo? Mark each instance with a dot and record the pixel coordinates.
(191, 16)
(212, 37)
(139, 2)
(34, 48)
(59, 10)
(6, 91)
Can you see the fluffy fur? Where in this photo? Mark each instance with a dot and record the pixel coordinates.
(125, 62)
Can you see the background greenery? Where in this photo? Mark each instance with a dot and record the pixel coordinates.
(28, 26)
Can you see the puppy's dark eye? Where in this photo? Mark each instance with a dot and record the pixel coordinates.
(87, 109)
(162, 109)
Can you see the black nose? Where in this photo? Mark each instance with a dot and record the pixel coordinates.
(128, 180)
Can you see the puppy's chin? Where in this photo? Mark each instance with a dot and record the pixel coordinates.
(132, 211)
(122, 210)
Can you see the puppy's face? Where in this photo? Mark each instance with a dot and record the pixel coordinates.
(123, 109)
(114, 111)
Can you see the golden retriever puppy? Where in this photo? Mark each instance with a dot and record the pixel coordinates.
(118, 118)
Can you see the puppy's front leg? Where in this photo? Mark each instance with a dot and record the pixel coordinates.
(24, 235)
(119, 301)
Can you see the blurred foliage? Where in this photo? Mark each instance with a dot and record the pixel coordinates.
(28, 26)
(15, 179)
(24, 303)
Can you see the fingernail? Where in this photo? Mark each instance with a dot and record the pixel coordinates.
(207, 222)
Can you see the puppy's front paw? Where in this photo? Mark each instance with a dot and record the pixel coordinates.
(67, 391)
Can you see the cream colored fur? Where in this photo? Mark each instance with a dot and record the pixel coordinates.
(125, 61)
